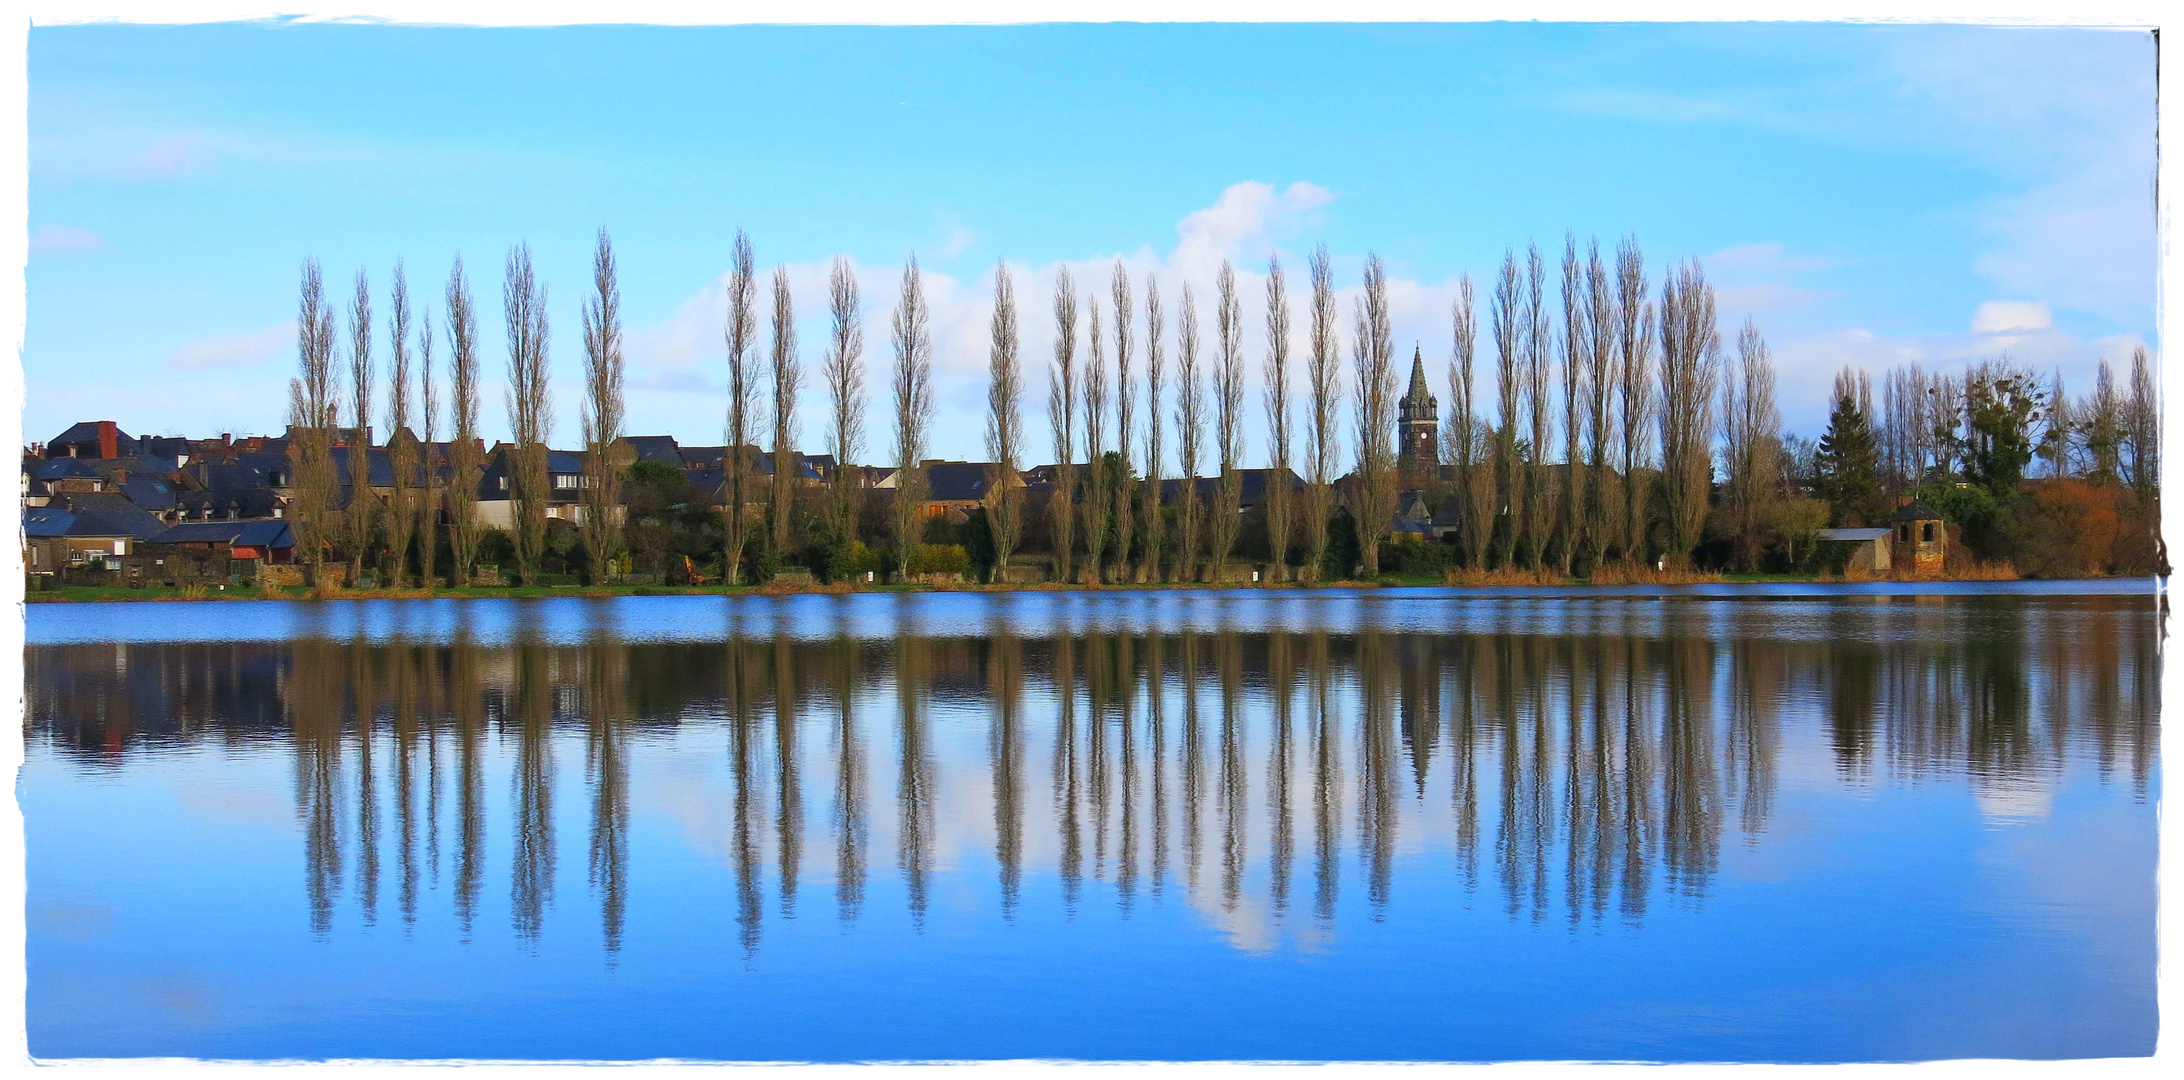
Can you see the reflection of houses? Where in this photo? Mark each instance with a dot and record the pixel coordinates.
(1868, 548)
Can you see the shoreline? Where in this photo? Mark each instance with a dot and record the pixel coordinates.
(87, 594)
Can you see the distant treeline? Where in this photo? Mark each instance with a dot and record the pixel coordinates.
(1623, 430)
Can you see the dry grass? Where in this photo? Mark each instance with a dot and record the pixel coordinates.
(1625, 574)
(1507, 575)
(1982, 570)
(193, 591)
(327, 589)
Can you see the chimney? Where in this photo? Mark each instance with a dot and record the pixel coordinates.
(109, 440)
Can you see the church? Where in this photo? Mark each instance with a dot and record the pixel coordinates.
(1418, 423)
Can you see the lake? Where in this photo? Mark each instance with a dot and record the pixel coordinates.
(1795, 823)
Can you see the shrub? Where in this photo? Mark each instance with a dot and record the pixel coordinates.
(2064, 528)
(940, 559)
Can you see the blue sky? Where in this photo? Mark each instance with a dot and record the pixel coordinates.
(1867, 194)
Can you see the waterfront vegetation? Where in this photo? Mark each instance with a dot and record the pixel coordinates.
(1624, 435)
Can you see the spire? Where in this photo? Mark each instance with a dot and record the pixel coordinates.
(1417, 391)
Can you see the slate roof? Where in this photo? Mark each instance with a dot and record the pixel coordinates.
(106, 513)
(1917, 510)
(662, 449)
(958, 481)
(1250, 489)
(149, 492)
(85, 431)
(1855, 535)
(261, 533)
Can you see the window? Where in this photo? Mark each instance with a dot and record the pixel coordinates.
(504, 483)
(1928, 532)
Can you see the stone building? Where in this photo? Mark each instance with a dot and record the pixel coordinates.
(1418, 425)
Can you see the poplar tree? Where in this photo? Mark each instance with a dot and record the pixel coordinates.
(1602, 382)
(401, 443)
(1690, 363)
(358, 514)
(311, 411)
(1062, 419)
(603, 411)
(913, 392)
(845, 374)
(1576, 358)
(1538, 361)
(1277, 418)
(1374, 357)
(1323, 379)
(1123, 484)
(1751, 430)
(1634, 326)
(465, 453)
(1190, 432)
(1004, 424)
(786, 374)
(741, 334)
(428, 509)
(1474, 492)
(1097, 473)
(1228, 403)
(1155, 380)
(1509, 343)
(530, 415)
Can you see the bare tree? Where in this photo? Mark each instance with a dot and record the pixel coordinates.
(1509, 343)
(1690, 356)
(1373, 355)
(1474, 492)
(1228, 405)
(603, 411)
(2100, 426)
(428, 501)
(913, 391)
(2056, 443)
(741, 334)
(401, 443)
(1603, 380)
(1751, 429)
(1155, 380)
(845, 375)
(1004, 425)
(1190, 432)
(1634, 326)
(1062, 417)
(465, 457)
(358, 514)
(1097, 474)
(1538, 359)
(1576, 359)
(1123, 485)
(1278, 524)
(787, 373)
(1323, 379)
(530, 415)
(311, 409)
(2142, 428)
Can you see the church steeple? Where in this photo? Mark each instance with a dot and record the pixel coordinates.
(1418, 423)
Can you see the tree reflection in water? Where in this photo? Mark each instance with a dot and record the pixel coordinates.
(1609, 758)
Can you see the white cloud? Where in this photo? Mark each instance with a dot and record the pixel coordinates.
(1997, 316)
(55, 239)
(1245, 222)
(235, 350)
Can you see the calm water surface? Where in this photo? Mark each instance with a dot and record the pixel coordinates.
(1793, 824)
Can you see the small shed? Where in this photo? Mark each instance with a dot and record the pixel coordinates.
(1869, 547)
(1922, 538)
